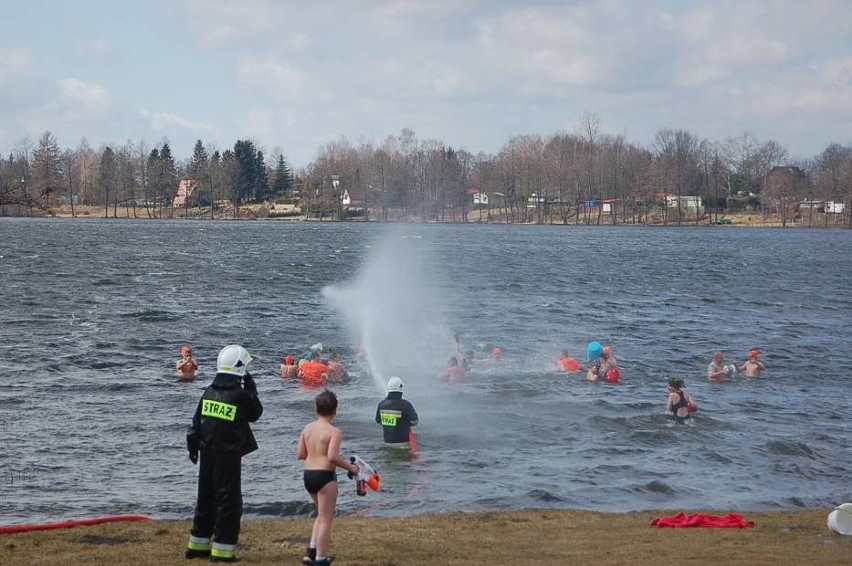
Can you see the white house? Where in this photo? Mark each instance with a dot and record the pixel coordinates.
(686, 201)
(834, 207)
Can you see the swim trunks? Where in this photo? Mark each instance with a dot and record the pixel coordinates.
(315, 480)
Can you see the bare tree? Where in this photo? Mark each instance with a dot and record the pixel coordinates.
(678, 155)
(783, 186)
(832, 175)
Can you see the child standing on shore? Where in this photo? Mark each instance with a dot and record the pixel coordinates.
(319, 447)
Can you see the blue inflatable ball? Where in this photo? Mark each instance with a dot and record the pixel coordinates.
(594, 351)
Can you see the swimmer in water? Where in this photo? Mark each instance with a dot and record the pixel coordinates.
(289, 370)
(680, 405)
(753, 367)
(717, 371)
(186, 365)
(567, 363)
(454, 373)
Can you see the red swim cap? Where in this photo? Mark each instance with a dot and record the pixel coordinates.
(608, 350)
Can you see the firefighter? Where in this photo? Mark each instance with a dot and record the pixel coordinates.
(397, 416)
(220, 432)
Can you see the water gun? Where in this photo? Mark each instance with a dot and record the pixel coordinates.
(366, 476)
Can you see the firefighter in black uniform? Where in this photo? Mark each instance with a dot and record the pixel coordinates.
(396, 415)
(220, 431)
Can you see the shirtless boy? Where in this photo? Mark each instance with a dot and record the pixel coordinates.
(319, 447)
(753, 367)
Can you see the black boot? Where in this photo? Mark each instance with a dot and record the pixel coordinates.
(309, 558)
(192, 553)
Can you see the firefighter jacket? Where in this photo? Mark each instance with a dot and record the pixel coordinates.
(397, 416)
(220, 426)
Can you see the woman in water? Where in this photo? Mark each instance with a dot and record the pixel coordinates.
(680, 404)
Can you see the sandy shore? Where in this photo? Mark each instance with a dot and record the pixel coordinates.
(516, 537)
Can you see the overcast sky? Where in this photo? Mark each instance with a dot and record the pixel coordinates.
(470, 73)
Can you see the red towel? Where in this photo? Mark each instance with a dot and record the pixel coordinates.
(682, 520)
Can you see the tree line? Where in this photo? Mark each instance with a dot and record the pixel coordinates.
(138, 179)
(585, 176)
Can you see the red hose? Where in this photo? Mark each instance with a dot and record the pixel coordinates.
(9, 529)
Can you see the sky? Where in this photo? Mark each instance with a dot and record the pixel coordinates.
(295, 75)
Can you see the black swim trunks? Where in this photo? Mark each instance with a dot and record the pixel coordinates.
(315, 480)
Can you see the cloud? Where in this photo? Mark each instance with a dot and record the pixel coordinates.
(92, 47)
(278, 79)
(265, 126)
(717, 40)
(20, 85)
(82, 99)
(15, 62)
(171, 123)
(824, 89)
(218, 22)
(552, 50)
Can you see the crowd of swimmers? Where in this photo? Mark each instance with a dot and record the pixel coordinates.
(220, 434)
(312, 371)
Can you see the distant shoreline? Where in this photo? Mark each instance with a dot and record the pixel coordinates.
(251, 212)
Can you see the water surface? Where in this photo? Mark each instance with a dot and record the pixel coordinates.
(92, 421)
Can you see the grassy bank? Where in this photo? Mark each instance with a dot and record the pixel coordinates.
(517, 537)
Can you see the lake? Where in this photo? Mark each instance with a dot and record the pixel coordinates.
(93, 422)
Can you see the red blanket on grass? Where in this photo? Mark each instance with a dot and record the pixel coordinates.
(682, 520)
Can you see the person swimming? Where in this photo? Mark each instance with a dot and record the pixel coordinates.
(567, 363)
(186, 366)
(289, 370)
(679, 405)
(454, 372)
(753, 367)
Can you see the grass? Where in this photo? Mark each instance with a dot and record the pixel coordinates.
(511, 537)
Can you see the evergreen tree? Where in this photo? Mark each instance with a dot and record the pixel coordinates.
(261, 186)
(47, 169)
(107, 176)
(169, 174)
(155, 176)
(246, 173)
(283, 178)
(199, 172)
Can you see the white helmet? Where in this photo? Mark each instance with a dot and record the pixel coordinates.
(395, 385)
(234, 360)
